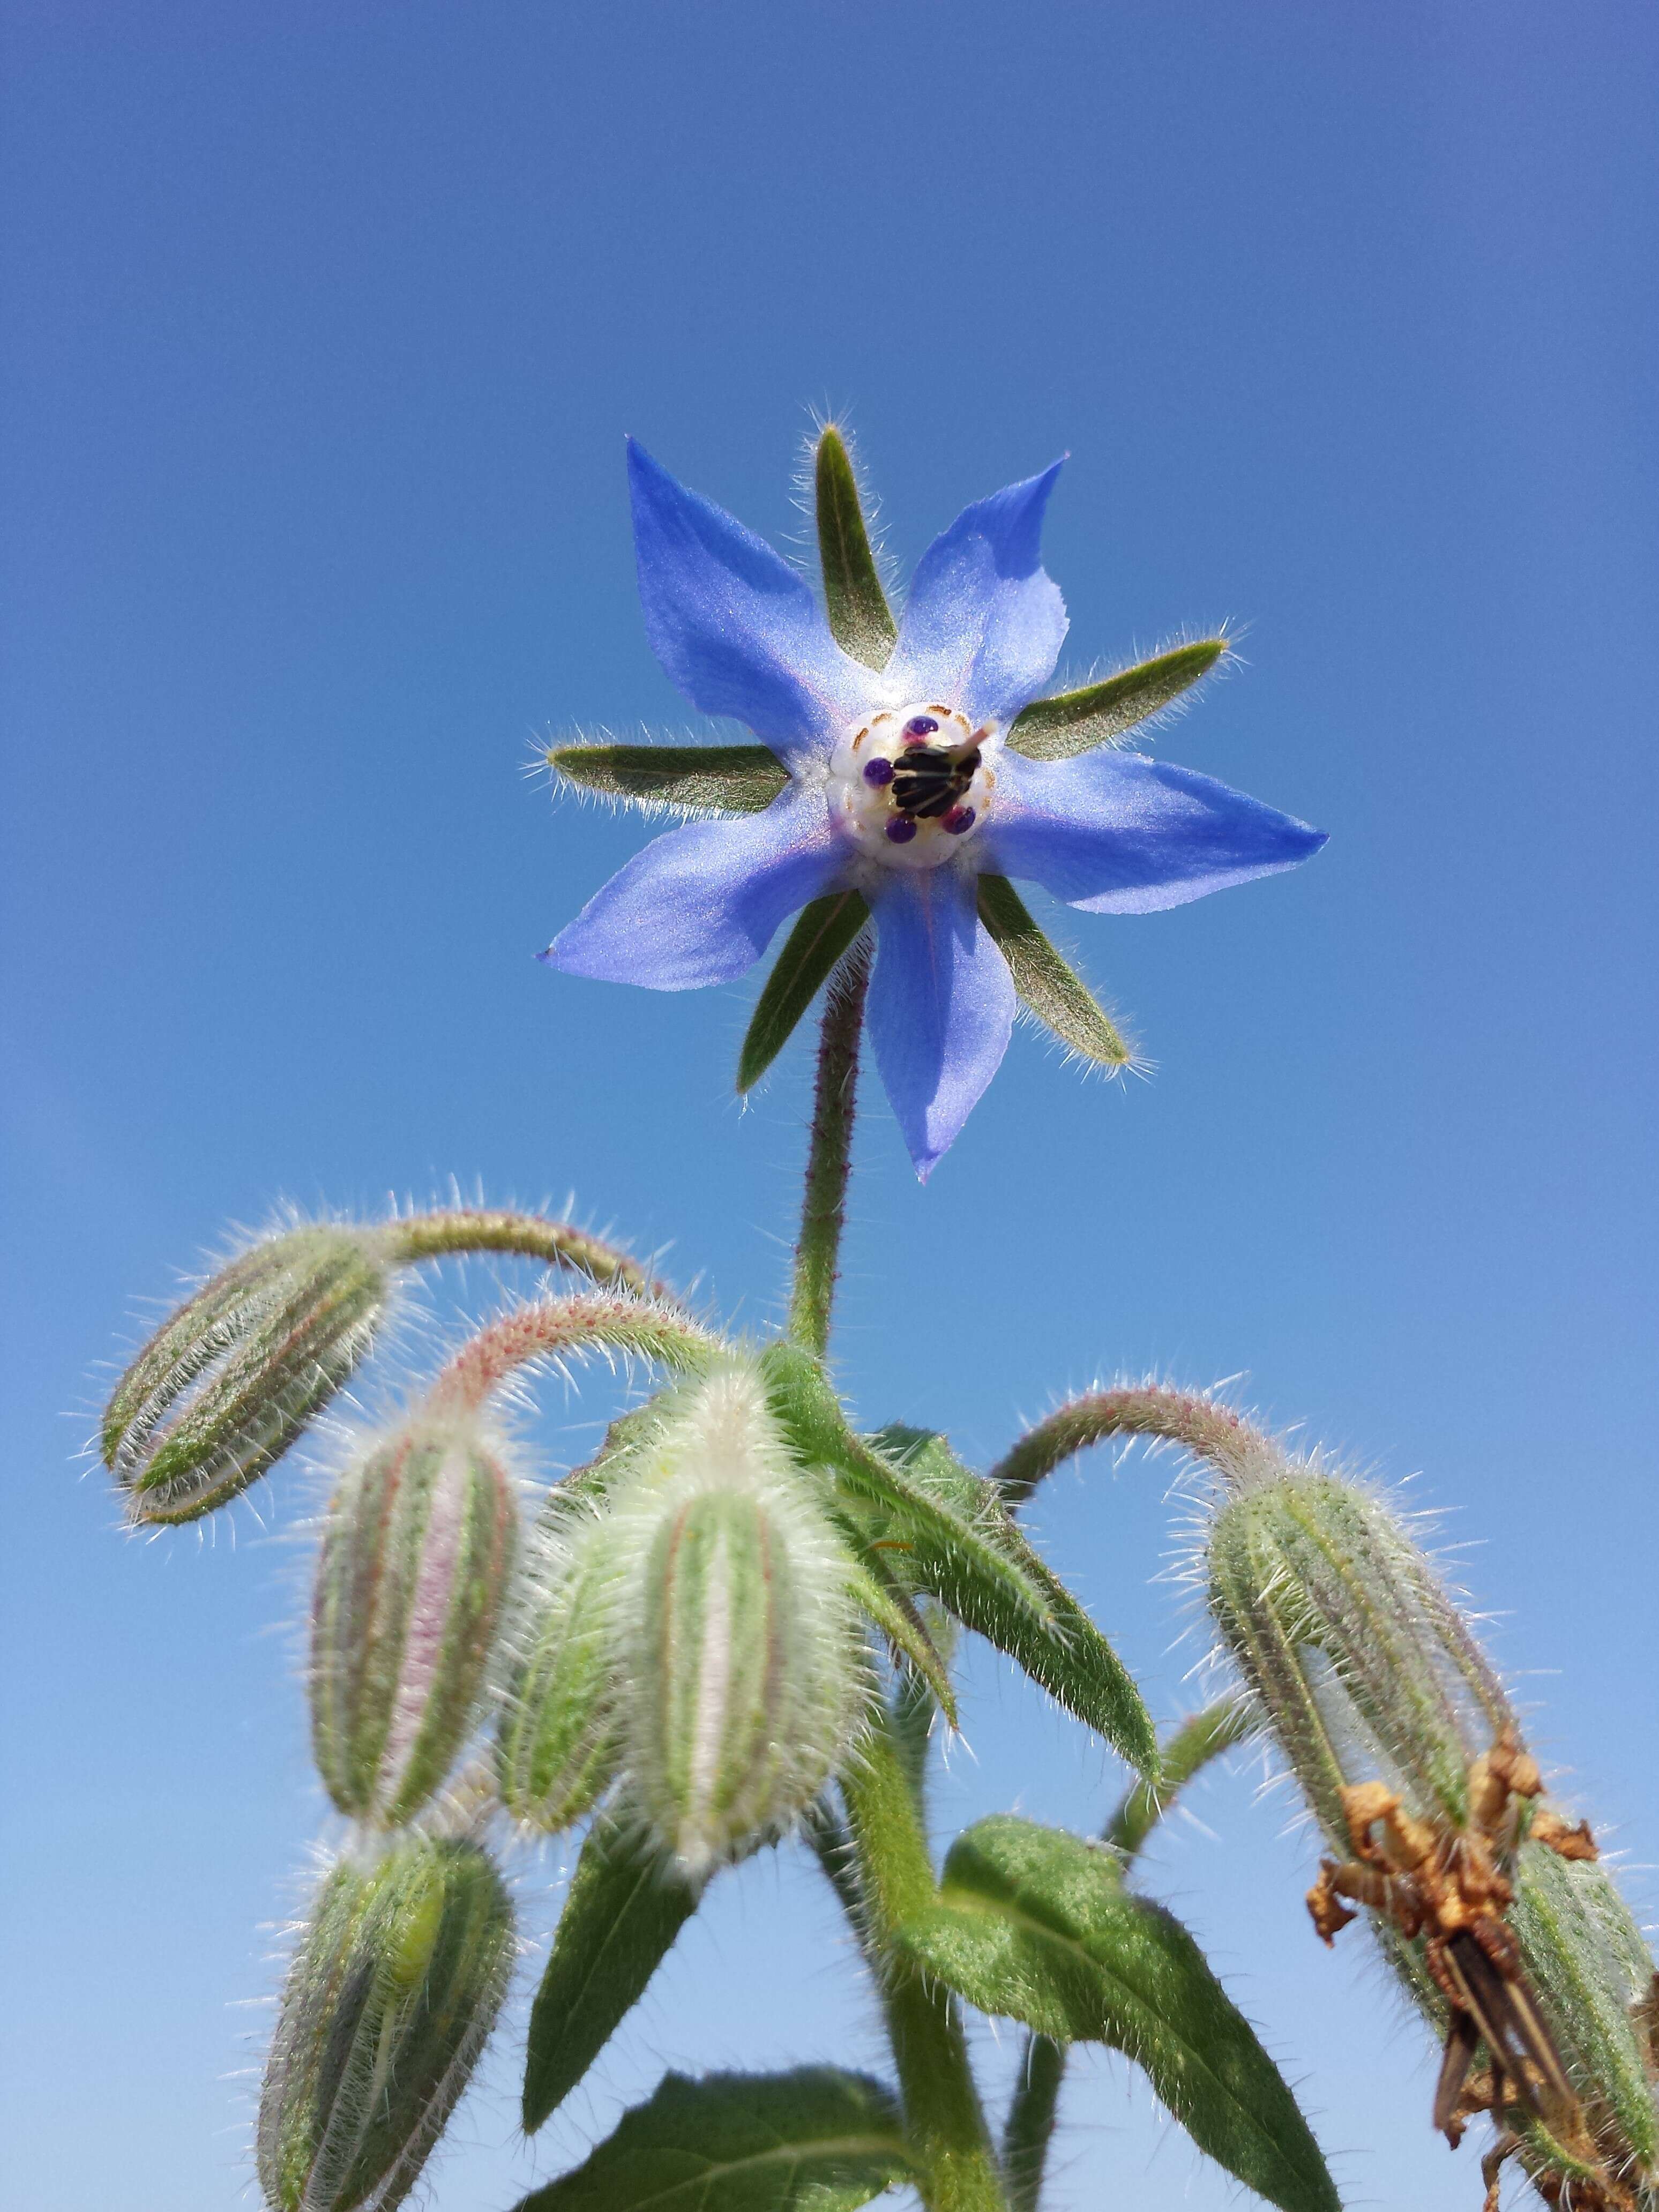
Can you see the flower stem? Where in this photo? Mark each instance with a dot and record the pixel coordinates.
(942, 2111)
(553, 1328)
(828, 1161)
(1208, 1430)
(532, 1235)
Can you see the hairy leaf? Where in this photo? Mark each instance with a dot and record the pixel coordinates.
(728, 779)
(1050, 1635)
(1076, 721)
(815, 2140)
(1036, 1925)
(892, 1610)
(824, 929)
(619, 1922)
(859, 617)
(1049, 986)
(947, 1531)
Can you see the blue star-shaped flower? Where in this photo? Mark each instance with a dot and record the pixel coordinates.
(901, 786)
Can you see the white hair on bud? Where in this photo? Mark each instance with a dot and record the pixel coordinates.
(745, 1675)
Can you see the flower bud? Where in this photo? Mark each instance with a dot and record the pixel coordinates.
(415, 1555)
(1406, 1750)
(227, 1385)
(556, 1743)
(390, 1998)
(744, 1667)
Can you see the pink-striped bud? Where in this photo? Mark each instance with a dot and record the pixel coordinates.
(415, 1555)
(743, 1664)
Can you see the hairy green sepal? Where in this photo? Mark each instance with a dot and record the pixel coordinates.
(860, 620)
(619, 1922)
(1075, 722)
(823, 931)
(1035, 1924)
(816, 2140)
(694, 778)
(556, 1738)
(1049, 986)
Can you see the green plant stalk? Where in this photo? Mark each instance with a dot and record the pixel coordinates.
(823, 1206)
(943, 2114)
(1030, 2124)
(478, 1229)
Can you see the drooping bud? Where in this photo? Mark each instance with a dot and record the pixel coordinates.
(556, 1742)
(388, 2000)
(228, 1384)
(411, 1578)
(742, 1659)
(1507, 1928)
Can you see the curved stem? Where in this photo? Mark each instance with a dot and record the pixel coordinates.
(942, 2111)
(530, 1235)
(1213, 1432)
(553, 1327)
(829, 1159)
(1030, 2123)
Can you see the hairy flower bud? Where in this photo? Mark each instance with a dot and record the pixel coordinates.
(1406, 1749)
(227, 1385)
(556, 1742)
(411, 1580)
(744, 1668)
(391, 1997)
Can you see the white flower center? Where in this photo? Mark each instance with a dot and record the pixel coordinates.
(911, 786)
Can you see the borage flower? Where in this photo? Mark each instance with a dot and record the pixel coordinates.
(904, 774)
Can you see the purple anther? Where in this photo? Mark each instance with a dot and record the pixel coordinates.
(960, 819)
(901, 829)
(879, 771)
(918, 727)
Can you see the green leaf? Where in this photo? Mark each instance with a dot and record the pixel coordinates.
(816, 2140)
(947, 1531)
(618, 1924)
(824, 931)
(1048, 1633)
(1036, 1925)
(860, 620)
(697, 779)
(1076, 721)
(1049, 987)
(893, 1612)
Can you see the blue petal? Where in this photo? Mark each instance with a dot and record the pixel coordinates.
(733, 625)
(941, 1005)
(983, 624)
(701, 905)
(1118, 834)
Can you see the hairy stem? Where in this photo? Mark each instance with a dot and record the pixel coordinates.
(1030, 2123)
(558, 1328)
(1210, 1432)
(1031, 2116)
(942, 2111)
(828, 1161)
(530, 1235)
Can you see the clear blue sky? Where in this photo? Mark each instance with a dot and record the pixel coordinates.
(323, 327)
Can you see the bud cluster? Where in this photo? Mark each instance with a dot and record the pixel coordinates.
(1506, 1926)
